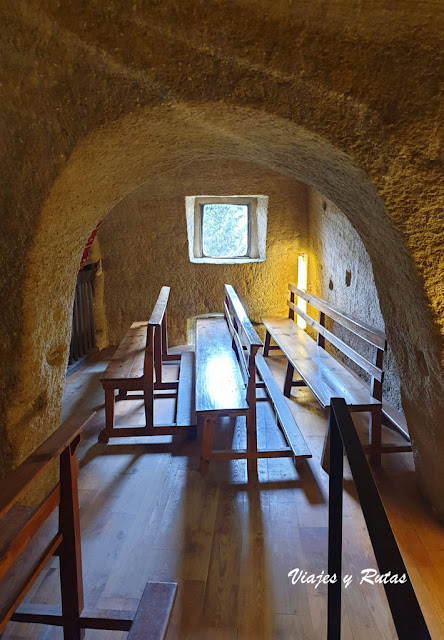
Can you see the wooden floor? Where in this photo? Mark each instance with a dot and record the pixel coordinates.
(147, 514)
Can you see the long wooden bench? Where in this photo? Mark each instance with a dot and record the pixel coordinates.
(328, 378)
(30, 537)
(137, 365)
(227, 363)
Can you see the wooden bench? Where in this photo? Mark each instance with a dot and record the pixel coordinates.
(27, 544)
(227, 361)
(325, 376)
(137, 366)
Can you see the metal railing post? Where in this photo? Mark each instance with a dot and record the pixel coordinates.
(335, 530)
(406, 612)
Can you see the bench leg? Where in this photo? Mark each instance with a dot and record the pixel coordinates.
(266, 347)
(207, 444)
(375, 437)
(70, 555)
(325, 459)
(288, 380)
(251, 441)
(148, 402)
(109, 416)
(299, 463)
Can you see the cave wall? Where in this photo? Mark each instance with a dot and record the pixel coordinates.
(144, 245)
(341, 272)
(98, 97)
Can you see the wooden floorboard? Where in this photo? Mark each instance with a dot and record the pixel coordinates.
(148, 515)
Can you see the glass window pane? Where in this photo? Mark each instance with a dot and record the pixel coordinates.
(225, 230)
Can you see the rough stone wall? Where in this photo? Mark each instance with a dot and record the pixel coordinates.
(144, 245)
(99, 96)
(340, 271)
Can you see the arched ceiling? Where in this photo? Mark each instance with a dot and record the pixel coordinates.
(99, 95)
(114, 160)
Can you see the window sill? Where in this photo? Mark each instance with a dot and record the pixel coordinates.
(225, 260)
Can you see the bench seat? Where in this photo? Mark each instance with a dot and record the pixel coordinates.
(323, 374)
(391, 417)
(185, 409)
(285, 418)
(126, 366)
(19, 577)
(219, 383)
(229, 371)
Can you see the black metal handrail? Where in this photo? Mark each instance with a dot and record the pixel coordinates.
(406, 612)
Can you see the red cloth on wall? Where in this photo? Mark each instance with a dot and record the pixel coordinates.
(88, 245)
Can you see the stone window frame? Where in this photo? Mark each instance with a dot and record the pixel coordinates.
(257, 210)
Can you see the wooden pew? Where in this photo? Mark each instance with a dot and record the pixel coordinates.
(227, 362)
(26, 546)
(137, 366)
(328, 378)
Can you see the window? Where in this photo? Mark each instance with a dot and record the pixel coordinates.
(226, 230)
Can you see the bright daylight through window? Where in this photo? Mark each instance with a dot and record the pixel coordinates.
(226, 229)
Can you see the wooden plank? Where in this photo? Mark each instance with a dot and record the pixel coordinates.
(164, 336)
(12, 522)
(157, 430)
(25, 574)
(15, 483)
(127, 361)
(387, 448)
(242, 317)
(207, 442)
(244, 454)
(375, 371)
(148, 378)
(219, 383)
(154, 612)
(160, 307)
(237, 345)
(393, 418)
(105, 619)
(365, 331)
(18, 539)
(70, 554)
(320, 339)
(185, 409)
(324, 375)
(396, 418)
(288, 424)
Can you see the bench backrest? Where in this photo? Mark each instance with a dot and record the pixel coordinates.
(373, 336)
(245, 340)
(61, 444)
(157, 339)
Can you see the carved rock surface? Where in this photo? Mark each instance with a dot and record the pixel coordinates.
(100, 97)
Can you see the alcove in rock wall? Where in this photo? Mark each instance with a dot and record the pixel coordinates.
(144, 245)
(341, 272)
